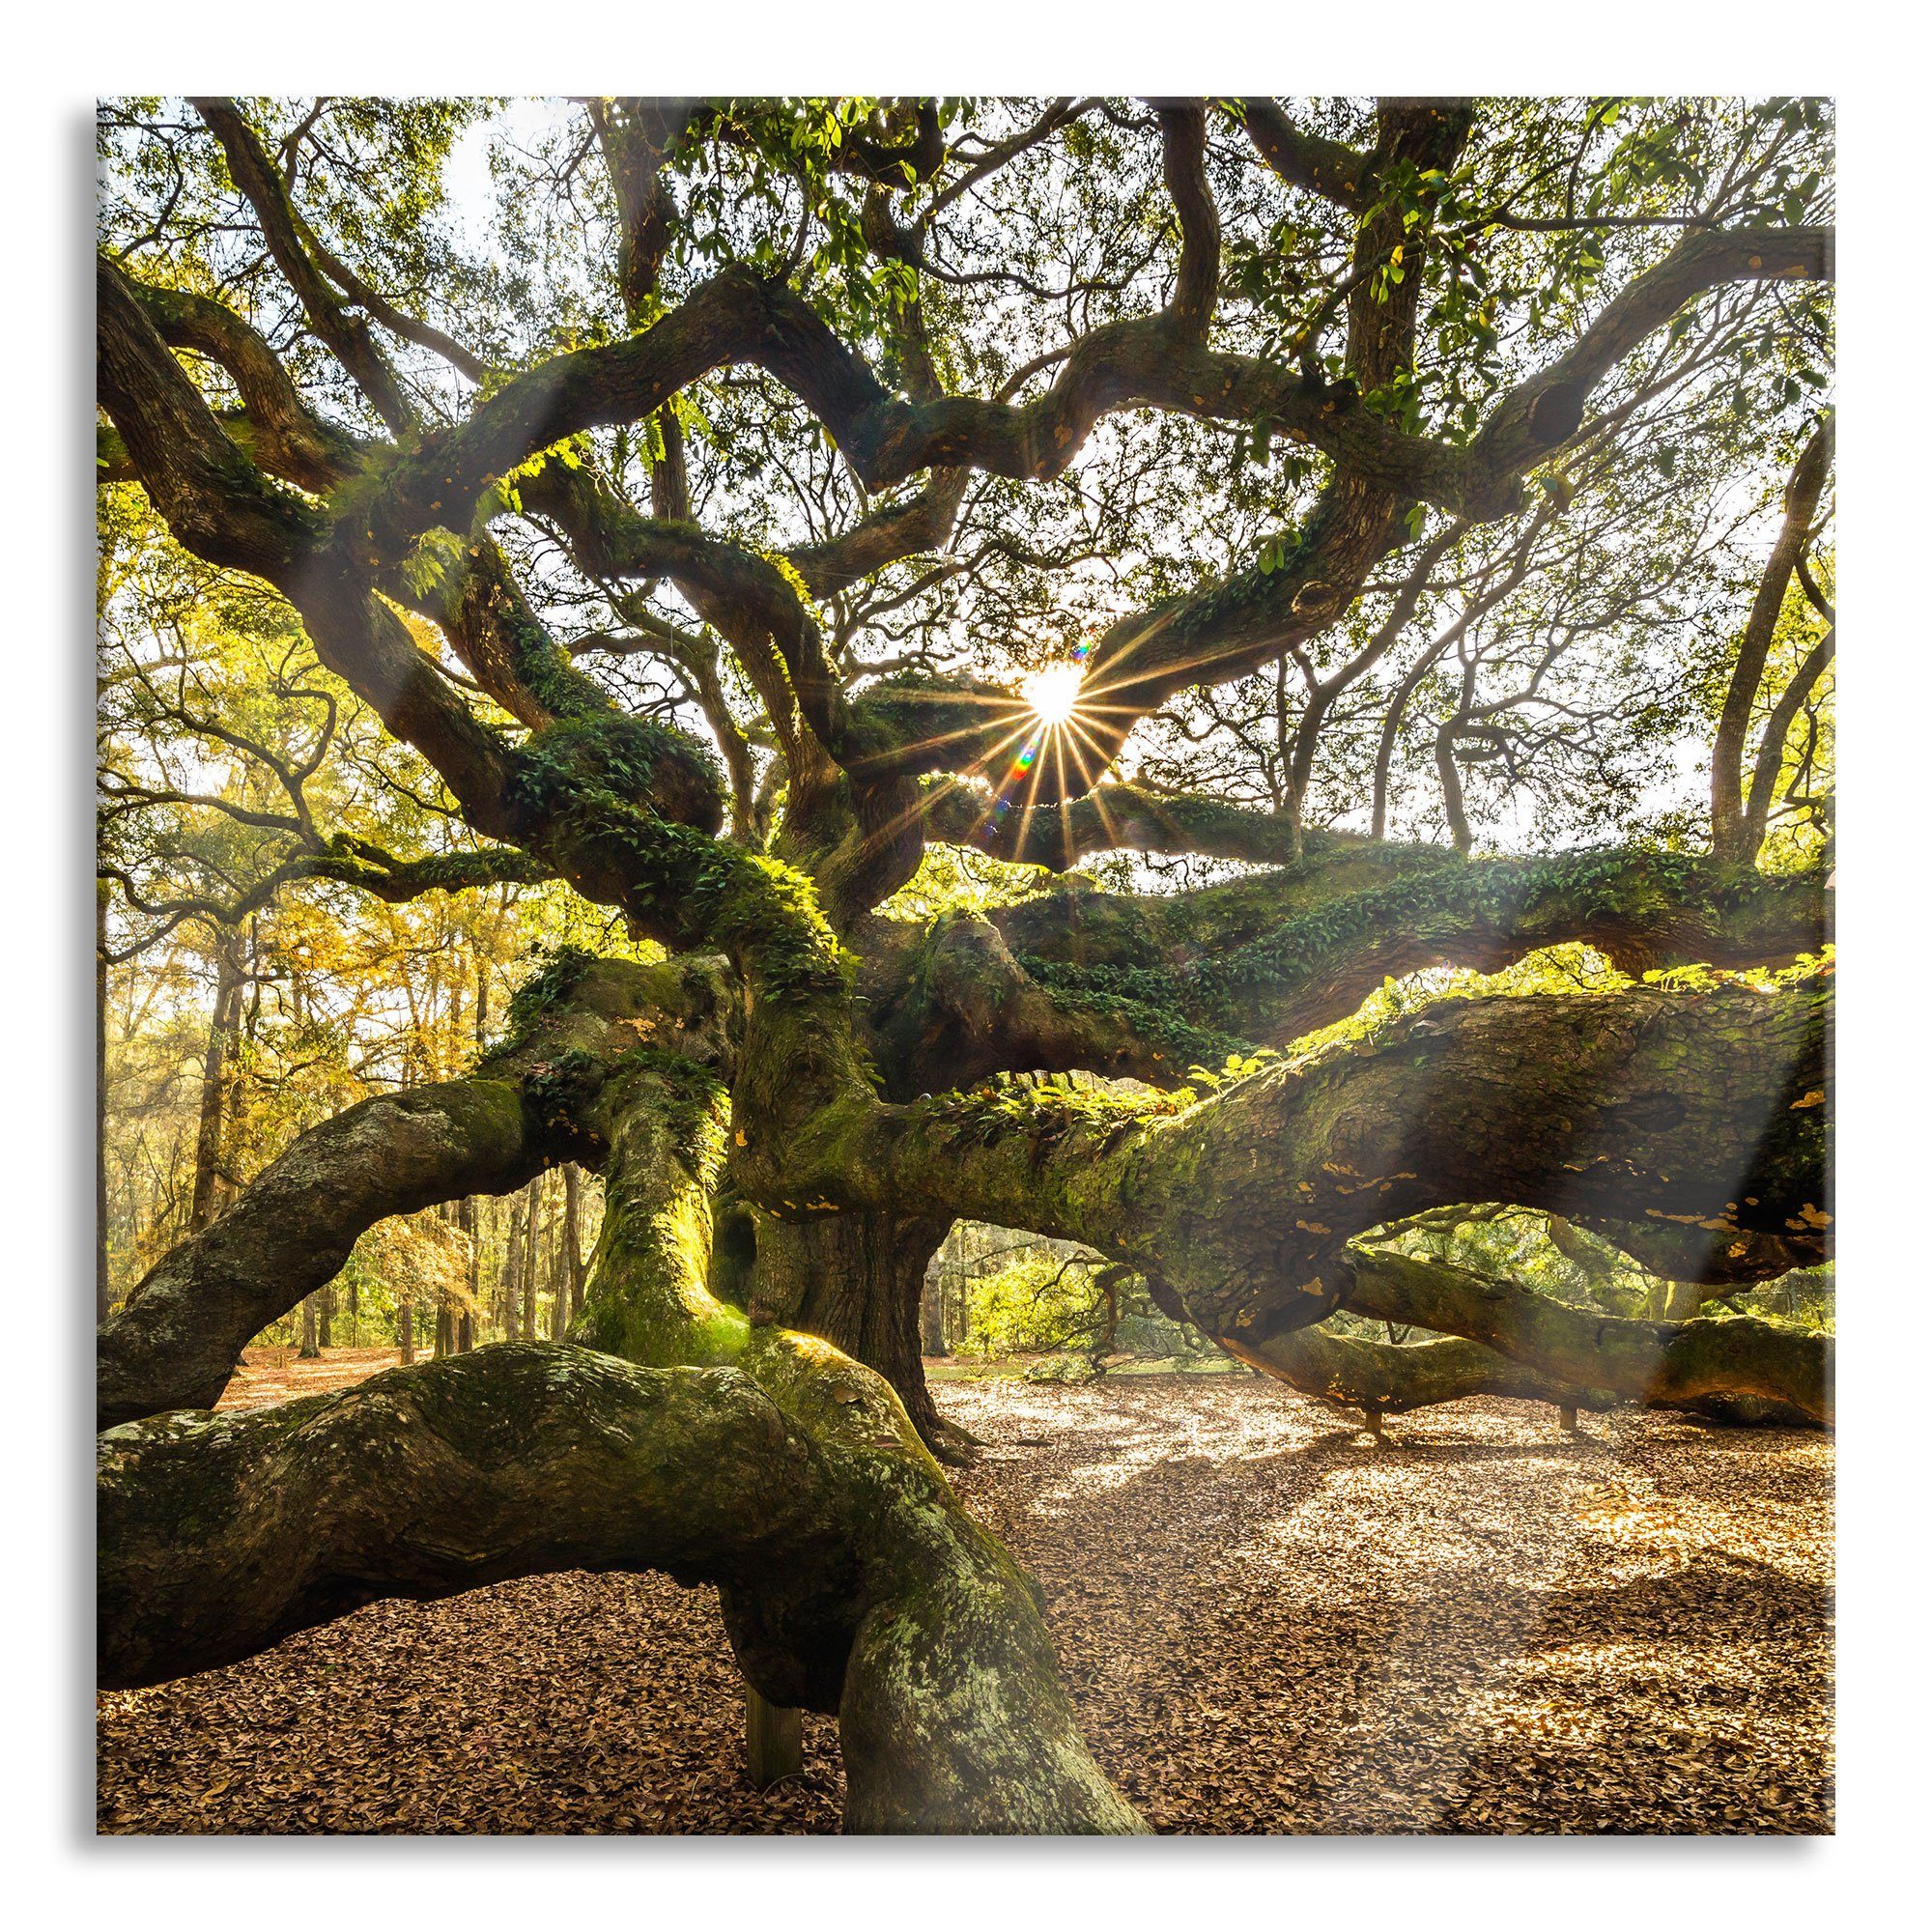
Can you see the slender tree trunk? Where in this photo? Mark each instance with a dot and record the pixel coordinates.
(242, 1040)
(471, 1212)
(932, 1307)
(855, 1279)
(510, 1284)
(573, 1237)
(1449, 774)
(1674, 1302)
(471, 1224)
(445, 1302)
(324, 1318)
(308, 1352)
(213, 1079)
(534, 1195)
(1770, 747)
(1730, 831)
(406, 1327)
(953, 1286)
(559, 1286)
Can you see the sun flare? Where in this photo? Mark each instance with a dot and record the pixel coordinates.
(1053, 693)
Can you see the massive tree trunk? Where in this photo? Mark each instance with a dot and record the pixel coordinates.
(856, 1583)
(880, 1600)
(857, 1280)
(867, 1109)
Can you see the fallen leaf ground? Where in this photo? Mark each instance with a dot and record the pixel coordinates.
(1268, 1622)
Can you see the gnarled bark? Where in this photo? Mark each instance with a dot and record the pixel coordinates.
(1276, 956)
(1383, 1379)
(176, 1342)
(1699, 1110)
(649, 1299)
(855, 1279)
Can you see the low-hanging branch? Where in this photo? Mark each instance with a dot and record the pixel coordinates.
(854, 1581)
(1385, 1378)
(1702, 1110)
(1669, 1364)
(175, 1342)
(1274, 957)
(829, 1086)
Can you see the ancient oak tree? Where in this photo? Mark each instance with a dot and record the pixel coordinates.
(978, 593)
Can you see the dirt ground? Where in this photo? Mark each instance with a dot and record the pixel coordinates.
(1268, 1625)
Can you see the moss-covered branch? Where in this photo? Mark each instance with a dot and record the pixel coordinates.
(1669, 1364)
(954, 1006)
(1273, 957)
(177, 1340)
(649, 1298)
(1383, 1378)
(855, 1581)
(1699, 1110)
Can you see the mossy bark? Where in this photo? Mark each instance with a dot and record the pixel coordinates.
(1382, 1378)
(1274, 956)
(649, 1299)
(1700, 1111)
(175, 1343)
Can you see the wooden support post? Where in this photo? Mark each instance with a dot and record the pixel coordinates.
(773, 1741)
(1567, 1416)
